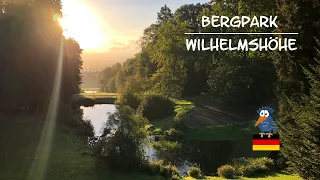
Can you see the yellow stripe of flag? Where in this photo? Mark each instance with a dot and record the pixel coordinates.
(266, 147)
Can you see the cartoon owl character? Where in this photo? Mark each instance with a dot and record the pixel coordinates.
(265, 122)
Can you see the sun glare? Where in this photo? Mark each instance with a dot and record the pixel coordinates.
(82, 24)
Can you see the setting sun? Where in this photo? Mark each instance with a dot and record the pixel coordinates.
(82, 24)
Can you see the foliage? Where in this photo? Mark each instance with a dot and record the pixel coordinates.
(123, 149)
(226, 171)
(298, 99)
(158, 168)
(166, 145)
(173, 134)
(85, 128)
(157, 131)
(243, 77)
(195, 172)
(107, 79)
(130, 99)
(307, 115)
(252, 166)
(156, 107)
(29, 63)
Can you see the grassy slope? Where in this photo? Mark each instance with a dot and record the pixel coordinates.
(182, 106)
(70, 157)
(220, 132)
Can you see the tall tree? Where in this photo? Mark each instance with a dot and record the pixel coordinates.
(307, 113)
(303, 17)
(164, 15)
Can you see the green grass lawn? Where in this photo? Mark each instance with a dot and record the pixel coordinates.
(181, 107)
(278, 176)
(70, 158)
(220, 132)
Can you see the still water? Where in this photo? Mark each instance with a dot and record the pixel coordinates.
(209, 155)
(98, 115)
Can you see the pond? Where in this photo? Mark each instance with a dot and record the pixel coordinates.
(209, 155)
(98, 115)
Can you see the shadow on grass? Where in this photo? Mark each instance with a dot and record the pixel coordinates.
(268, 174)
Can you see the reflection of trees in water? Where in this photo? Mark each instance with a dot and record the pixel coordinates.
(209, 155)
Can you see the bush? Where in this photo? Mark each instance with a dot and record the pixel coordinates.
(250, 166)
(179, 121)
(226, 171)
(175, 177)
(157, 131)
(170, 170)
(195, 172)
(158, 168)
(166, 145)
(156, 107)
(85, 128)
(173, 134)
(130, 99)
(155, 167)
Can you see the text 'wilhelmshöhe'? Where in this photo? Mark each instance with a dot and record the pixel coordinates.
(257, 44)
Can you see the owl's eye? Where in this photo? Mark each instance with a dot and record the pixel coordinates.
(262, 113)
(266, 113)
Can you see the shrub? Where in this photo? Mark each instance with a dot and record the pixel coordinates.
(166, 145)
(250, 166)
(158, 168)
(157, 131)
(85, 128)
(175, 177)
(195, 172)
(226, 171)
(156, 107)
(173, 134)
(130, 99)
(179, 121)
(155, 167)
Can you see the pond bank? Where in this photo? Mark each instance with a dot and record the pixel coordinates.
(70, 158)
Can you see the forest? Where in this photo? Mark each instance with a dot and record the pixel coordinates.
(40, 74)
(288, 80)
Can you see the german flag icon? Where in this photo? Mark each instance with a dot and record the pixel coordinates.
(265, 143)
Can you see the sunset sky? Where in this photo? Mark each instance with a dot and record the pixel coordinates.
(111, 27)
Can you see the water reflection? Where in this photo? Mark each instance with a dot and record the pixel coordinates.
(98, 115)
(209, 155)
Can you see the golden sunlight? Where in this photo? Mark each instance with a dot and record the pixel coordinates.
(82, 24)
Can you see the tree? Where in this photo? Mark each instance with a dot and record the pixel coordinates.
(71, 78)
(124, 148)
(307, 115)
(31, 39)
(164, 15)
(303, 17)
(244, 77)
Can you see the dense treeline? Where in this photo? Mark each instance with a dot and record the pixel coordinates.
(165, 67)
(30, 45)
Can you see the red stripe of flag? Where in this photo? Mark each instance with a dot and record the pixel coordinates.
(265, 142)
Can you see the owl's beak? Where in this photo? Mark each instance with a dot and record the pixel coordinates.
(261, 119)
